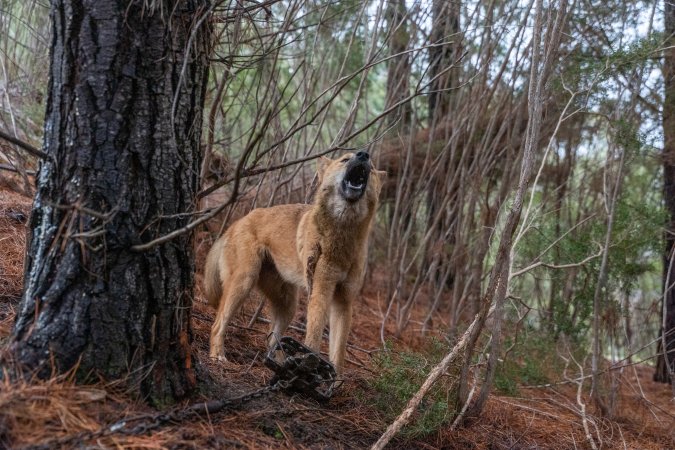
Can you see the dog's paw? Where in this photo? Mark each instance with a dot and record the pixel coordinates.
(222, 363)
(279, 356)
(218, 357)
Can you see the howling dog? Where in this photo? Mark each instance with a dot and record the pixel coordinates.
(321, 247)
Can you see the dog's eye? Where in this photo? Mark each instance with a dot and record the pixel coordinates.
(344, 160)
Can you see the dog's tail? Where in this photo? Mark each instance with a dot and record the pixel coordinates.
(213, 285)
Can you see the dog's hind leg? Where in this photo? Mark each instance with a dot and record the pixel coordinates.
(283, 301)
(239, 285)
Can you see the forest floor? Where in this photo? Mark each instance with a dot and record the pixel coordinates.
(551, 417)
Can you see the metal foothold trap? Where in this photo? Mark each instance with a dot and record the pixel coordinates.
(304, 370)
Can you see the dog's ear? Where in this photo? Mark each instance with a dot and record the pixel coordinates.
(378, 180)
(323, 162)
(321, 165)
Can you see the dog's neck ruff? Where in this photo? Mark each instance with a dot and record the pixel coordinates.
(344, 211)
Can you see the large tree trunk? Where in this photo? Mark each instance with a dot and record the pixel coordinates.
(122, 129)
(663, 370)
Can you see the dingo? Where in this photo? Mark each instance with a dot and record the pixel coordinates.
(322, 247)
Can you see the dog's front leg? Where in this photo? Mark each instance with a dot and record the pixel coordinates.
(340, 324)
(321, 293)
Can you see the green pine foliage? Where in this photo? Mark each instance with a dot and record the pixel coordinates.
(400, 375)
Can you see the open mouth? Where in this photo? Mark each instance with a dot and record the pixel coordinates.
(355, 181)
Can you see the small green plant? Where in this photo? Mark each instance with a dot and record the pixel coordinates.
(400, 376)
(505, 382)
(271, 428)
(530, 361)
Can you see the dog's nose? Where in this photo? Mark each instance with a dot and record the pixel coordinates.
(362, 156)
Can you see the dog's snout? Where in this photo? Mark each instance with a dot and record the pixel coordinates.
(362, 156)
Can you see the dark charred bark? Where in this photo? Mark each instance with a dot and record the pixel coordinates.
(122, 130)
(664, 372)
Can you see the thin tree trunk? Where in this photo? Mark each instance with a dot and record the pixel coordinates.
(444, 51)
(398, 69)
(599, 296)
(122, 131)
(665, 367)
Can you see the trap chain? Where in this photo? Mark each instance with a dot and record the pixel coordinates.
(302, 371)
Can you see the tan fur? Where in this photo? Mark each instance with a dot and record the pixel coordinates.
(321, 247)
(212, 284)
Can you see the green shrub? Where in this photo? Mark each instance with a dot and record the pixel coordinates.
(532, 361)
(400, 375)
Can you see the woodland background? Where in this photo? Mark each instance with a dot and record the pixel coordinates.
(530, 151)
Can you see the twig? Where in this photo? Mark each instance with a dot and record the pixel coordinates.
(255, 315)
(536, 411)
(24, 145)
(15, 170)
(557, 266)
